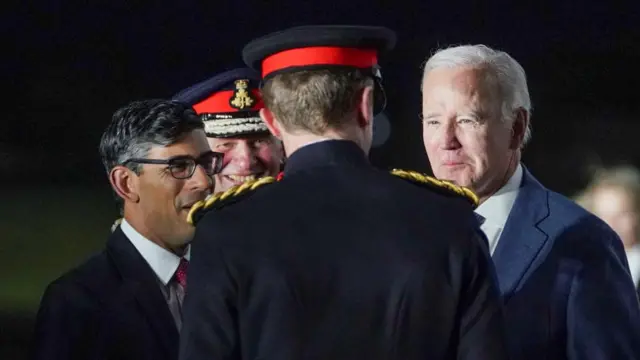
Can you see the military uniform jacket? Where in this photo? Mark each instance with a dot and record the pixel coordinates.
(339, 260)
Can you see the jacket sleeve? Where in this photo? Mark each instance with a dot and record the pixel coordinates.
(603, 313)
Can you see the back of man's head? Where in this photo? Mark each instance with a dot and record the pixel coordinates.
(319, 79)
(315, 101)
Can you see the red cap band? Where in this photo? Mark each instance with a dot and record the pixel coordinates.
(219, 103)
(319, 55)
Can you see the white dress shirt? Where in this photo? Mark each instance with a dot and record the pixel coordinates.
(163, 262)
(496, 208)
(633, 257)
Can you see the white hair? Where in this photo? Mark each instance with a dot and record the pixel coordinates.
(510, 76)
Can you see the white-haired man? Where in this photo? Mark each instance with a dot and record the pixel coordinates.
(562, 272)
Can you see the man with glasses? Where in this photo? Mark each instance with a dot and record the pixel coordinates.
(125, 303)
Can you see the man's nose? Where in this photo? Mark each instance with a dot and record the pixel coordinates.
(200, 180)
(244, 157)
(448, 138)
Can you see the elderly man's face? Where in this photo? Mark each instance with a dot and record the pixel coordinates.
(464, 136)
(246, 158)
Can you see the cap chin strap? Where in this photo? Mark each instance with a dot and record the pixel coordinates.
(379, 95)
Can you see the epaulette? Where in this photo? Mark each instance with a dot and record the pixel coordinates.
(439, 185)
(218, 200)
(115, 224)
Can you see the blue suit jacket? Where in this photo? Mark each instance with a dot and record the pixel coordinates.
(565, 281)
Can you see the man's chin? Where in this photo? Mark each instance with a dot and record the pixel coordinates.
(225, 184)
(459, 178)
(184, 214)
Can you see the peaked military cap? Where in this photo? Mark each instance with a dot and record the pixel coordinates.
(322, 47)
(318, 46)
(228, 103)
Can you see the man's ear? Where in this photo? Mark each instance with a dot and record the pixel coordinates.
(270, 121)
(279, 149)
(125, 183)
(365, 107)
(518, 128)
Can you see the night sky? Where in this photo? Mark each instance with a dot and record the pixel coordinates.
(70, 65)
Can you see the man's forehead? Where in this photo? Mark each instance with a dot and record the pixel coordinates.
(475, 85)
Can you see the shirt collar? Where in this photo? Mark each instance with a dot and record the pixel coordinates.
(164, 263)
(497, 207)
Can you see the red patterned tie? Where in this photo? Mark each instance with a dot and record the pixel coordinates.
(181, 273)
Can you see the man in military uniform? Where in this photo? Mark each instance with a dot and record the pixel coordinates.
(228, 103)
(364, 264)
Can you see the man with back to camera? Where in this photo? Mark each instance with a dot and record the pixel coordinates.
(364, 264)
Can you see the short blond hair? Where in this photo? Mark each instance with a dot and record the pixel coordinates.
(314, 100)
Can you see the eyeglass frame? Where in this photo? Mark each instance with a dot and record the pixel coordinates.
(170, 162)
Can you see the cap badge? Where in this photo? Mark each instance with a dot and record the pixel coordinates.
(242, 98)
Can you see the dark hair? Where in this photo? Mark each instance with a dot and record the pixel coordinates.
(138, 126)
(135, 128)
(314, 100)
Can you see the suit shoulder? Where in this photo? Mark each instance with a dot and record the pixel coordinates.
(442, 187)
(74, 300)
(577, 227)
(223, 199)
(88, 277)
(562, 207)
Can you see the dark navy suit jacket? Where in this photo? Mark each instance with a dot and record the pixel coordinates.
(110, 307)
(565, 281)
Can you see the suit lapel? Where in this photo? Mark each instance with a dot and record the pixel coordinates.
(521, 239)
(144, 286)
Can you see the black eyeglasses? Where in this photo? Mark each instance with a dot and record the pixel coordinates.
(183, 166)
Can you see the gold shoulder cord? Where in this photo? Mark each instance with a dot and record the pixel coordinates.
(429, 180)
(216, 199)
(115, 224)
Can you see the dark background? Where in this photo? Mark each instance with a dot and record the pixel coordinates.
(69, 65)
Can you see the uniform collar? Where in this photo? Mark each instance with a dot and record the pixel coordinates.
(163, 262)
(325, 153)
